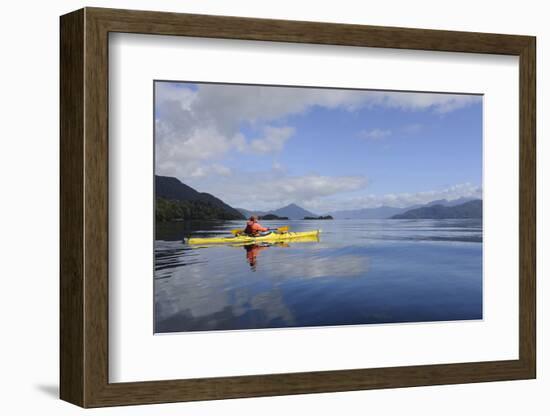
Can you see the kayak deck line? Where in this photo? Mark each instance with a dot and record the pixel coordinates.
(272, 237)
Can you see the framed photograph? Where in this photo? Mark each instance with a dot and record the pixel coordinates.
(254, 207)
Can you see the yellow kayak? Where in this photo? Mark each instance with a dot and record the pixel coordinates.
(268, 238)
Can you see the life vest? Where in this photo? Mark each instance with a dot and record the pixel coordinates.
(249, 229)
(253, 228)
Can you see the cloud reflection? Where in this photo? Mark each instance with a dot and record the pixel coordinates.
(198, 298)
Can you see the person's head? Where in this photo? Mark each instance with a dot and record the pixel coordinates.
(253, 218)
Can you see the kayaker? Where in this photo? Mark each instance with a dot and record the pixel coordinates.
(253, 227)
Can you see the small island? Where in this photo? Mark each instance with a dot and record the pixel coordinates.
(322, 217)
(272, 217)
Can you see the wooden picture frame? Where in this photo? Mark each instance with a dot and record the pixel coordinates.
(84, 207)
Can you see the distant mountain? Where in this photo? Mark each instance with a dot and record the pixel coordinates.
(247, 213)
(293, 211)
(388, 212)
(451, 203)
(175, 200)
(368, 213)
(470, 209)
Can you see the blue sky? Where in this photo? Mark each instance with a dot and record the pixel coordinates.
(261, 147)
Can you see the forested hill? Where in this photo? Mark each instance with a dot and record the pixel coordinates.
(471, 209)
(177, 201)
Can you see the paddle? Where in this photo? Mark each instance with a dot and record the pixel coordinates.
(279, 230)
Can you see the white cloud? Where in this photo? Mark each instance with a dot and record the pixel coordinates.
(183, 155)
(319, 267)
(278, 167)
(271, 190)
(273, 141)
(439, 103)
(174, 92)
(199, 125)
(374, 134)
(399, 200)
(305, 188)
(207, 170)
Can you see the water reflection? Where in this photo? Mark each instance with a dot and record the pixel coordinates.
(252, 251)
(361, 272)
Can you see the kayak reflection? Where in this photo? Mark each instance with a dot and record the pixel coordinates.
(253, 250)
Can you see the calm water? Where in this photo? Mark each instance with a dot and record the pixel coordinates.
(360, 272)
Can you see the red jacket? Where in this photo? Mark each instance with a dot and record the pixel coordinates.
(254, 228)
